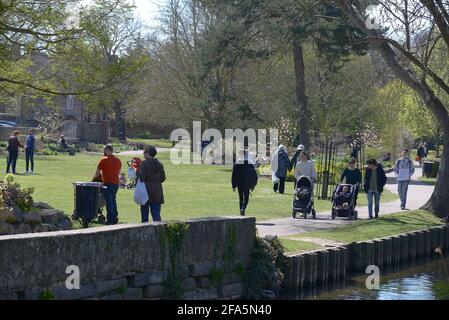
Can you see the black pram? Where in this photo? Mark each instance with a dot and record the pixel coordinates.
(343, 203)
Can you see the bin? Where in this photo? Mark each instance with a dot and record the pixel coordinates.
(87, 201)
(430, 169)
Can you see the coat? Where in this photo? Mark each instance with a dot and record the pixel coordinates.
(283, 164)
(381, 179)
(152, 173)
(244, 176)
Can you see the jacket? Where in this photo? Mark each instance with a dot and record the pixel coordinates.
(283, 164)
(381, 179)
(152, 173)
(244, 176)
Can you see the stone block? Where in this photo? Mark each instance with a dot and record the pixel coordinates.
(64, 224)
(203, 282)
(8, 296)
(111, 285)
(191, 295)
(32, 218)
(189, 284)
(23, 228)
(147, 278)
(85, 291)
(40, 228)
(49, 216)
(6, 228)
(232, 289)
(231, 278)
(153, 291)
(207, 294)
(113, 297)
(133, 294)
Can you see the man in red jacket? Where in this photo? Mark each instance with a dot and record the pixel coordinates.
(109, 171)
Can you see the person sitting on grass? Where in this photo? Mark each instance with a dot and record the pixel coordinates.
(63, 143)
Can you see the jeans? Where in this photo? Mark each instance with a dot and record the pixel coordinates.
(155, 211)
(243, 198)
(280, 185)
(12, 161)
(29, 158)
(402, 190)
(376, 196)
(110, 194)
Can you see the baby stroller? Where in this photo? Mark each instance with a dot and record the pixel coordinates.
(303, 198)
(344, 209)
(133, 165)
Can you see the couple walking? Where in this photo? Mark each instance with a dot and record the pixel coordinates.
(13, 152)
(375, 180)
(151, 172)
(281, 164)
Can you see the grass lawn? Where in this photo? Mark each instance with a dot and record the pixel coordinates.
(296, 246)
(362, 230)
(190, 190)
(160, 143)
(428, 180)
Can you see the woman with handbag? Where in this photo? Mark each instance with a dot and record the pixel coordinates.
(151, 172)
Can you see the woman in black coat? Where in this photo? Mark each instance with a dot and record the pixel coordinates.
(244, 179)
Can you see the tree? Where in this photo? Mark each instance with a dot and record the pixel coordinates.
(408, 55)
(108, 56)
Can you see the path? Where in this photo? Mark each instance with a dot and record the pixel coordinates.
(418, 194)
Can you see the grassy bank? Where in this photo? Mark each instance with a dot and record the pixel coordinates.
(362, 230)
(191, 191)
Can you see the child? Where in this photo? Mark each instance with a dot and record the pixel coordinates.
(122, 180)
(343, 198)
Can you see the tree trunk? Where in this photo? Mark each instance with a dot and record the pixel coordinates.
(303, 113)
(120, 122)
(439, 201)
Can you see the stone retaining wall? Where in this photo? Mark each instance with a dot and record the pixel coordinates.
(321, 267)
(127, 261)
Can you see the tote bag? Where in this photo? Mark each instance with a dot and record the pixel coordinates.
(141, 194)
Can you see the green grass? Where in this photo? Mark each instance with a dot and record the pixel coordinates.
(387, 225)
(431, 181)
(191, 191)
(297, 246)
(160, 143)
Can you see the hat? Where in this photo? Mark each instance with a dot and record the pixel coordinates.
(301, 147)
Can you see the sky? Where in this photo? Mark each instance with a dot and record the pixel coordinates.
(145, 9)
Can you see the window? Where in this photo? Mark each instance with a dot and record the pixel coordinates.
(70, 102)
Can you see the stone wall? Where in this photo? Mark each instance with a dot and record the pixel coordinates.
(128, 261)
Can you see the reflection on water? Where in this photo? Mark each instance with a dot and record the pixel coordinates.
(426, 281)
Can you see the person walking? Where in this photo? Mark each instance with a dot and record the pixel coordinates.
(244, 180)
(404, 170)
(305, 167)
(420, 154)
(295, 157)
(109, 171)
(29, 152)
(13, 152)
(352, 175)
(375, 180)
(152, 173)
(280, 165)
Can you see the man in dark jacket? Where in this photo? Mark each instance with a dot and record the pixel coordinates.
(375, 180)
(13, 152)
(244, 178)
(29, 152)
(152, 173)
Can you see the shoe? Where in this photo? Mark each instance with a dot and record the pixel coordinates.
(376, 216)
(30, 172)
(242, 212)
(371, 218)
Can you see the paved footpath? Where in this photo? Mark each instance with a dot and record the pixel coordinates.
(418, 194)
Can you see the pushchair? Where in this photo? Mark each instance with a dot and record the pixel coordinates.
(303, 198)
(344, 208)
(133, 166)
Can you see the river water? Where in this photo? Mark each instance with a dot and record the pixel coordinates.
(423, 281)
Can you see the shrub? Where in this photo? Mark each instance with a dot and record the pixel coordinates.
(144, 135)
(266, 268)
(12, 195)
(48, 152)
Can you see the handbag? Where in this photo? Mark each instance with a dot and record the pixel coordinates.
(141, 193)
